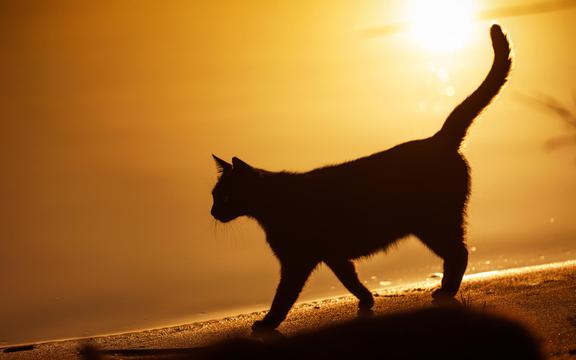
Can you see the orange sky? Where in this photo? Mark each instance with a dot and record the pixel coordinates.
(110, 111)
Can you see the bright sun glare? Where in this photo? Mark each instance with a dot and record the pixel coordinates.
(441, 25)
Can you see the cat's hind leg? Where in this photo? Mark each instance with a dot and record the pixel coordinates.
(450, 246)
(346, 273)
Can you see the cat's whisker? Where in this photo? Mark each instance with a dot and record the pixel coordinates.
(216, 229)
(214, 226)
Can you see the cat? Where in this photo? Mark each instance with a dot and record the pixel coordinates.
(339, 213)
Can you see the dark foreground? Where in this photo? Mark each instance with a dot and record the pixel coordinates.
(525, 313)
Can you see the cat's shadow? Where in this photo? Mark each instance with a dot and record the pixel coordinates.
(438, 332)
(450, 330)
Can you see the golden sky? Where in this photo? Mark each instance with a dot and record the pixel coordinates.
(110, 111)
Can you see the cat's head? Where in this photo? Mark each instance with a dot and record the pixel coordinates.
(233, 195)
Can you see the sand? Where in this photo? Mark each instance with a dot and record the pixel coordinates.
(543, 298)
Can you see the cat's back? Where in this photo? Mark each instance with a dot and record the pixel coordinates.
(413, 161)
(414, 177)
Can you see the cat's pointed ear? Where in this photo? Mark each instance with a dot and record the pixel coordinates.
(221, 165)
(240, 166)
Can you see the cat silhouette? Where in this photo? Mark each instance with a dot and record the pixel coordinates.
(339, 213)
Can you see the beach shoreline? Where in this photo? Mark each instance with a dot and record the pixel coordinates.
(542, 297)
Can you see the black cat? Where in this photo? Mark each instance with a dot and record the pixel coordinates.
(342, 212)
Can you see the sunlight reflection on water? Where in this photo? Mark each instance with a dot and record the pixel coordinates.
(433, 280)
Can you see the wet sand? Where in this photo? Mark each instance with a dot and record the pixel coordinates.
(543, 298)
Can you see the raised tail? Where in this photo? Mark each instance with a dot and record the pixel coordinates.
(456, 125)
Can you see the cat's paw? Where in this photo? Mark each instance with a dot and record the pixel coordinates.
(263, 325)
(442, 294)
(444, 298)
(366, 304)
(364, 313)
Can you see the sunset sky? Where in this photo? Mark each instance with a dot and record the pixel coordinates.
(110, 111)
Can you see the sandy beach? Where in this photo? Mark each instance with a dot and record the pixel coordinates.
(543, 298)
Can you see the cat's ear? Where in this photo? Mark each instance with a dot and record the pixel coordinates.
(241, 167)
(221, 165)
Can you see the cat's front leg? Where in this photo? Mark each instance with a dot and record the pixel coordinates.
(293, 276)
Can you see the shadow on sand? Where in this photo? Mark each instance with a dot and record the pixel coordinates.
(431, 333)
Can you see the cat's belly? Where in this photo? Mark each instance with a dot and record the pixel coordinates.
(355, 232)
(350, 242)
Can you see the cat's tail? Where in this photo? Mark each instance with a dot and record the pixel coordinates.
(456, 125)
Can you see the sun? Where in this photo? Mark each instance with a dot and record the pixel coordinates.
(441, 25)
